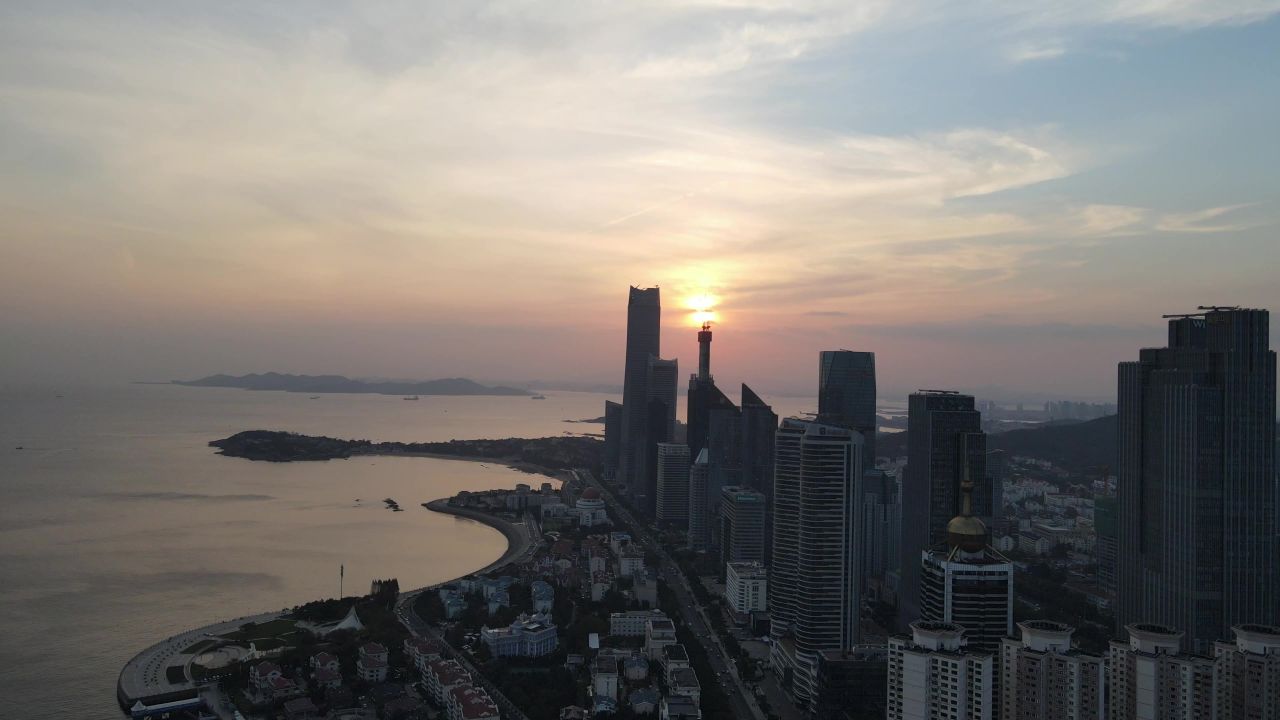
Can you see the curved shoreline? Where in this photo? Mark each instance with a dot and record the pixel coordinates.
(519, 538)
(519, 542)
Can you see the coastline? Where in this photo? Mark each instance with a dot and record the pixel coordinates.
(132, 685)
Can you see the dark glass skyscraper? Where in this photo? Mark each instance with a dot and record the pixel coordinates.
(660, 422)
(943, 431)
(1199, 540)
(612, 436)
(644, 319)
(847, 394)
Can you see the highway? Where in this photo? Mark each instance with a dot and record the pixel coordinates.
(695, 618)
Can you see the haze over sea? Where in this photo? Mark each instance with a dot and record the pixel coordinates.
(119, 526)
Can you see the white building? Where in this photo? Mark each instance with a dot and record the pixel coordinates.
(631, 562)
(1043, 678)
(441, 677)
(746, 587)
(658, 633)
(527, 636)
(632, 622)
(590, 509)
(371, 666)
(604, 677)
(933, 677)
(1247, 674)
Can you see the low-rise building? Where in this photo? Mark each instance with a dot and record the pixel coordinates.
(632, 622)
(325, 661)
(644, 701)
(684, 681)
(658, 633)
(327, 678)
(467, 702)
(421, 651)
(675, 707)
(746, 587)
(527, 636)
(604, 677)
(543, 596)
(371, 666)
(674, 657)
(441, 677)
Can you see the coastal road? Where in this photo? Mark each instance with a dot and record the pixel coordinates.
(695, 617)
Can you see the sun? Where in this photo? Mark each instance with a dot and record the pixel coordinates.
(701, 306)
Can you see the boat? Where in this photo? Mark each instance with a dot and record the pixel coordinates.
(315, 397)
(538, 397)
(410, 397)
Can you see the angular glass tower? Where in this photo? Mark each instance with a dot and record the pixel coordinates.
(644, 319)
(847, 394)
(1198, 544)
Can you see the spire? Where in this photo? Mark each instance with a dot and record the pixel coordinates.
(704, 352)
(966, 532)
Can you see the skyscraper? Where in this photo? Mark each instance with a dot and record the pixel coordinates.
(932, 675)
(1105, 548)
(1199, 544)
(704, 396)
(847, 395)
(944, 436)
(699, 475)
(644, 317)
(759, 426)
(1043, 678)
(967, 582)
(814, 592)
(673, 483)
(881, 526)
(660, 422)
(741, 525)
(612, 437)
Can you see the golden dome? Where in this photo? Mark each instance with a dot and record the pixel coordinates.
(967, 533)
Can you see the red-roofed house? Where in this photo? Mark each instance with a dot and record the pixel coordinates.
(326, 661)
(327, 678)
(261, 675)
(468, 702)
(421, 651)
(442, 676)
(372, 664)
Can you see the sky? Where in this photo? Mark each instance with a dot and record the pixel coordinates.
(995, 196)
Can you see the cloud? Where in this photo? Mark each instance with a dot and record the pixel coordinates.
(1201, 221)
(1032, 51)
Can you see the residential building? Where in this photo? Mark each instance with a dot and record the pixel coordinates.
(814, 590)
(1150, 678)
(746, 587)
(1247, 674)
(441, 677)
(1105, 511)
(933, 676)
(1043, 678)
(543, 596)
(673, 483)
(604, 677)
(944, 436)
(1197, 471)
(881, 525)
(371, 664)
(469, 702)
(675, 707)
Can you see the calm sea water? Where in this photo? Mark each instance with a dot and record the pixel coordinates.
(119, 526)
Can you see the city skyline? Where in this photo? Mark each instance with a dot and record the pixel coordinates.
(457, 186)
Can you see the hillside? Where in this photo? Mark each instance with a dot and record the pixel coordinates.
(341, 384)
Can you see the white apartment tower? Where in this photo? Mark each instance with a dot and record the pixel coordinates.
(1043, 678)
(933, 676)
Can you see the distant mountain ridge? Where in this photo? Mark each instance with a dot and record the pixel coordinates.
(341, 384)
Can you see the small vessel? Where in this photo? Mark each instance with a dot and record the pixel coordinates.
(538, 397)
(315, 397)
(410, 397)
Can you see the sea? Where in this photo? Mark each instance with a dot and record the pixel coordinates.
(119, 526)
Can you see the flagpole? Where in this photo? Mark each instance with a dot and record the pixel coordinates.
(341, 572)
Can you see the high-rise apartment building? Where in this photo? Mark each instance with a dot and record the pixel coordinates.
(967, 582)
(644, 319)
(673, 483)
(1247, 674)
(699, 522)
(1199, 525)
(944, 436)
(881, 526)
(1105, 548)
(847, 395)
(1151, 678)
(933, 676)
(814, 591)
(742, 518)
(1043, 678)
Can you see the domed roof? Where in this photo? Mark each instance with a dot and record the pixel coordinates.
(967, 533)
(591, 494)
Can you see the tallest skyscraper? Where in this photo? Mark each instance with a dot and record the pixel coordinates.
(644, 319)
(1198, 534)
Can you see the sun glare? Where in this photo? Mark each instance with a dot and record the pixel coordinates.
(701, 306)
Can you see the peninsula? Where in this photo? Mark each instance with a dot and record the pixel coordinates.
(529, 454)
(341, 384)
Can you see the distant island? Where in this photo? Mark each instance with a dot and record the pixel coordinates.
(340, 384)
(529, 454)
